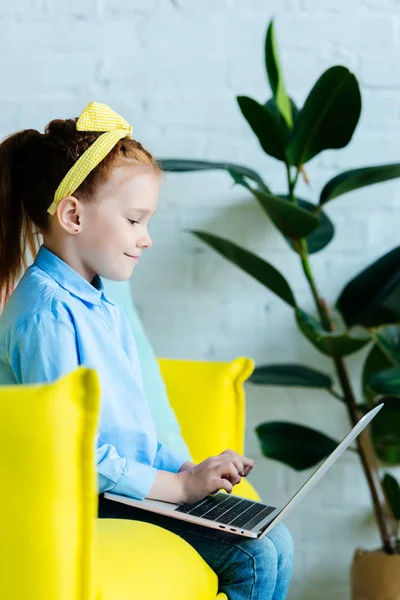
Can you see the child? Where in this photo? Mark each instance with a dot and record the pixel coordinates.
(90, 190)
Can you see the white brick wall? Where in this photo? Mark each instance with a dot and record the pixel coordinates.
(173, 69)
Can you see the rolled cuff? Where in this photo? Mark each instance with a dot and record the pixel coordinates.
(167, 459)
(136, 480)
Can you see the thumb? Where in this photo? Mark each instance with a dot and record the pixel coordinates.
(225, 485)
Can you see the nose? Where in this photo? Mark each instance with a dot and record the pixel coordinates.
(145, 242)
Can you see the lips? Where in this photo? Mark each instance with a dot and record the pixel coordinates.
(130, 255)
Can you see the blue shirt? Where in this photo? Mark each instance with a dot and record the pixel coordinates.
(54, 321)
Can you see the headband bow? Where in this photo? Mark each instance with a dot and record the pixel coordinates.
(95, 117)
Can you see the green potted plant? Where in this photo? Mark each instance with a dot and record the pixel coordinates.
(367, 311)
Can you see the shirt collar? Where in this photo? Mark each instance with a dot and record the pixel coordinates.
(70, 279)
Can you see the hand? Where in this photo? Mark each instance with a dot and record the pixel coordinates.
(217, 472)
(243, 464)
(186, 466)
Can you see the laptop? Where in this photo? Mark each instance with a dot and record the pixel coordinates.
(237, 515)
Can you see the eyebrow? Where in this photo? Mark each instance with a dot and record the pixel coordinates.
(142, 210)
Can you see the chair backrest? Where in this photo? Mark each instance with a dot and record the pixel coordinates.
(48, 500)
(209, 401)
(165, 421)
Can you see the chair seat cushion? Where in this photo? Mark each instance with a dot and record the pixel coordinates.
(141, 561)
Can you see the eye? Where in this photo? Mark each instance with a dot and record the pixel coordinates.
(133, 222)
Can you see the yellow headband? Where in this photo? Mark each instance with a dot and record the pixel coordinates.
(95, 117)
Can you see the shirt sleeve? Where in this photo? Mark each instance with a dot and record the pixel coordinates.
(122, 475)
(44, 349)
(168, 459)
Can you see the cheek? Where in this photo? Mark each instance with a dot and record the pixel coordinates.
(116, 230)
(108, 237)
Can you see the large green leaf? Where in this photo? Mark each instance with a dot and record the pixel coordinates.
(290, 375)
(339, 344)
(386, 381)
(182, 165)
(322, 235)
(386, 431)
(293, 221)
(329, 116)
(265, 124)
(388, 339)
(286, 130)
(252, 264)
(358, 178)
(375, 361)
(392, 491)
(370, 298)
(295, 445)
(275, 76)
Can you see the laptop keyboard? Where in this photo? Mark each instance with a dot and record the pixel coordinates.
(229, 510)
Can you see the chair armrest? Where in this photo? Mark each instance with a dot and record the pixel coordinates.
(49, 500)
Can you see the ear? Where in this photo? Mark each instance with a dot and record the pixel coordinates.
(69, 211)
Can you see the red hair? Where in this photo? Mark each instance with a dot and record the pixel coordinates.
(32, 165)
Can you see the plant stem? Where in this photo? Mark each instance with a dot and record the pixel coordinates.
(291, 183)
(383, 514)
(303, 251)
(370, 465)
(307, 272)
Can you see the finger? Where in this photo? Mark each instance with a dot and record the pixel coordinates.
(248, 465)
(228, 464)
(233, 474)
(247, 469)
(239, 466)
(233, 479)
(226, 485)
(229, 471)
(247, 461)
(234, 467)
(237, 459)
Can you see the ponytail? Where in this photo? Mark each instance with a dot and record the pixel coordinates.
(17, 233)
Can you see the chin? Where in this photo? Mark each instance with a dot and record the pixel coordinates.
(119, 277)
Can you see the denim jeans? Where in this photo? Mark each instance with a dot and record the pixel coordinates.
(247, 568)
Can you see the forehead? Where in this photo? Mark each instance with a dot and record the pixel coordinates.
(131, 185)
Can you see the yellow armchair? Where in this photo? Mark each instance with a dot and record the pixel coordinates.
(209, 402)
(53, 546)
